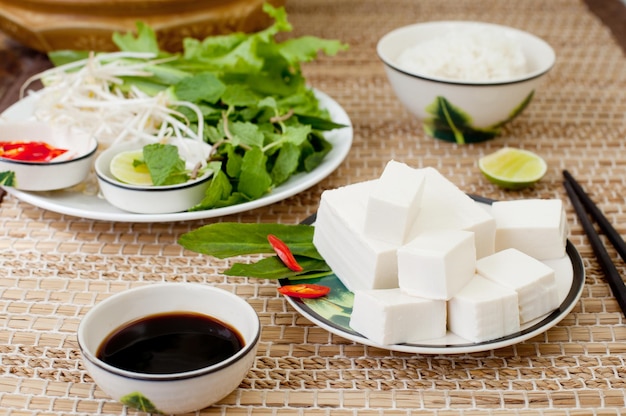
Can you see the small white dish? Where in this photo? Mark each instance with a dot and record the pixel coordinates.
(65, 171)
(146, 199)
(174, 393)
(463, 111)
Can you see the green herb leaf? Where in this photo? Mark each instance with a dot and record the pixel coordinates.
(239, 95)
(144, 41)
(274, 268)
(219, 190)
(165, 165)
(233, 162)
(202, 87)
(286, 163)
(306, 48)
(314, 151)
(254, 180)
(297, 134)
(229, 239)
(246, 133)
(62, 57)
(319, 123)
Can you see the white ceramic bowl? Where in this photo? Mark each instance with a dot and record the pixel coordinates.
(146, 199)
(65, 171)
(485, 105)
(169, 393)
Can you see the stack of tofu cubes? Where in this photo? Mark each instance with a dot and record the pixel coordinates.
(422, 258)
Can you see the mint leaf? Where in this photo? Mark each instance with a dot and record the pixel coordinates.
(239, 95)
(201, 87)
(286, 163)
(254, 180)
(219, 189)
(297, 134)
(314, 151)
(246, 133)
(319, 123)
(164, 164)
(233, 162)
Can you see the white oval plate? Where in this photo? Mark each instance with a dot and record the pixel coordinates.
(97, 208)
(332, 312)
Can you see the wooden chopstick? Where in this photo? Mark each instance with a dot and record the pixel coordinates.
(604, 224)
(578, 196)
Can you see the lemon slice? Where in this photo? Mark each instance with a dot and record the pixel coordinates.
(122, 167)
(512, 168)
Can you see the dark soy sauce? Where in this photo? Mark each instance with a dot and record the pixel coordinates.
(170, 343)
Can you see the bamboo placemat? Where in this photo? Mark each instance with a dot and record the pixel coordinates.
(53, 268)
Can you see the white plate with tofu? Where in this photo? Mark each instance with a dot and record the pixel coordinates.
(93, 206)
(334, 311)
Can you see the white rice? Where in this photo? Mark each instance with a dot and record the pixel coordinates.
(473, 55)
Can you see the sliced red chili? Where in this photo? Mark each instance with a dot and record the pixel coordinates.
(284, 253)
(304, 290)
(29, 151)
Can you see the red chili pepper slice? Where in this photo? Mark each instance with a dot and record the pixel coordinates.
(284, 253)
(29, 151)
(304, 290)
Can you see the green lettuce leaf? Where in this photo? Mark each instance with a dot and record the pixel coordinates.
(264, 121)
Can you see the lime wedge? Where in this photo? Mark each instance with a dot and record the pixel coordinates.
(512, 168)
(124, 170)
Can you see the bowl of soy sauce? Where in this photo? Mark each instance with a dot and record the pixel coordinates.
(169, 348)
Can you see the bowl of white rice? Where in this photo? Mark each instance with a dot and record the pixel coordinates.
(464, 80)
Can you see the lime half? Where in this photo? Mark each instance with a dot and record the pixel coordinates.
(512, 168)
(125, 169)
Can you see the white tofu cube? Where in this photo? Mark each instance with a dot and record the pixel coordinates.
(358, 261)
(446, 207)
(437, 264)
(538, 227)
(393, 317)
(533, 281)
(394, 203)
(483, 310)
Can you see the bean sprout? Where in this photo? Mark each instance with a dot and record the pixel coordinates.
(86, 94)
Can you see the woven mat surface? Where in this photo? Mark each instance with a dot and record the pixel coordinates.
(53, 268)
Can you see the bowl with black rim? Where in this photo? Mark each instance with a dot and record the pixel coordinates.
(464, 80)
(148, 198)
(39, 156)
(169, 348)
